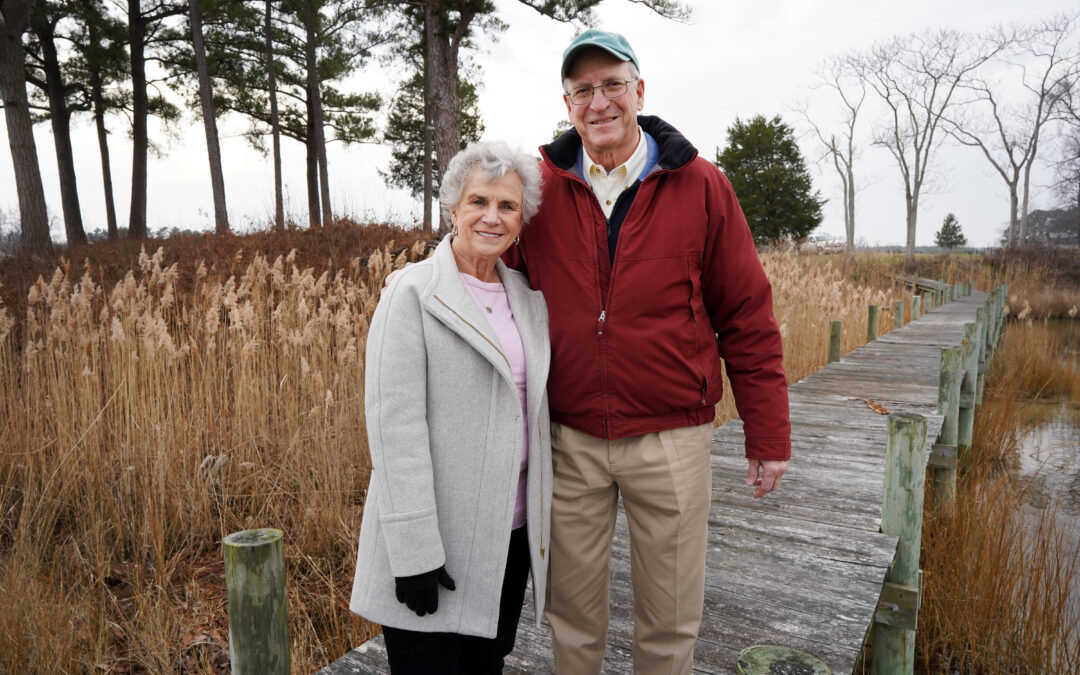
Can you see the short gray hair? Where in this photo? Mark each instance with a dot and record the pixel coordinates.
(495, 159)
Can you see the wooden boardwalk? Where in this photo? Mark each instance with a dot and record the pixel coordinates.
(805, 566)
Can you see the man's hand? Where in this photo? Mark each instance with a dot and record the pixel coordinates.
(765, 475)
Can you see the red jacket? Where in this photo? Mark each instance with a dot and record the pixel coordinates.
(636, 343)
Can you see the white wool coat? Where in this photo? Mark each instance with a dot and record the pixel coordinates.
(444, 427)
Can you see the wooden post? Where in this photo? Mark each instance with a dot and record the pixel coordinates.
(997, 313)
(1001, 321)
(968, 385)
(835, 331)
(980, 344)
(916, 307)
(871, 323)
(901, 516)
(255, 585)
(898, 314)
(944, 461)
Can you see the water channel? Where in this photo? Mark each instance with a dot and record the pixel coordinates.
(1049, 455)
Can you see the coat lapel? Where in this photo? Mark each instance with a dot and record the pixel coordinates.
(530, 315)
(447, 300)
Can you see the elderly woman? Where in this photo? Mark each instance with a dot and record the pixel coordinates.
(457, 421)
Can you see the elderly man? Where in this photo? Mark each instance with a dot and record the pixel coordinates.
(651, 278)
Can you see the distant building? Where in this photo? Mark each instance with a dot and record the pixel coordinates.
(1056, 227)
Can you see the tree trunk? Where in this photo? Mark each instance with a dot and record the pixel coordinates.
(34, 221)
(1024, 204)
(98, 99)
(312, 166)
(912, 220)
(849, 209)
(140, 110)
(275, 125)
(206, 98)
(315, 107)
(1014, 220)
(429, 18)
(442, 59)
(60, 120)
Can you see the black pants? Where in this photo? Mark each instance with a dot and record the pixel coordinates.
(417, 653)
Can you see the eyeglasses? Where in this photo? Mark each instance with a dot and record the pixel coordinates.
(611, 89)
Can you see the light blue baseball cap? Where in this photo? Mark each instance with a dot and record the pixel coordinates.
(612, 43)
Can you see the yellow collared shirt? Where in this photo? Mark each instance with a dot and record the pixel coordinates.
(608, 185)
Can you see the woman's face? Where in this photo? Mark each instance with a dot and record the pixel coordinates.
(488, 217)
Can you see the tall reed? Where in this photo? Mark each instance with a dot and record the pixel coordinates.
(143, 425)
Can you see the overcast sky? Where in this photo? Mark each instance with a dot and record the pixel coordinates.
(732, 60)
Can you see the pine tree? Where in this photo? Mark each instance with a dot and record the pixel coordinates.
(950, 235)
(766, 168)
(405, 132)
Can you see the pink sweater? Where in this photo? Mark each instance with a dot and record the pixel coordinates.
(491, 299)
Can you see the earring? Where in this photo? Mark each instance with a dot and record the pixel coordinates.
(516, 240)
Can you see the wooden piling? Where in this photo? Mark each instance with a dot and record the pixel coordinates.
(980, 343)
(871, 323)
(905, 476)
(916, 307)
(255, 586)
(835, 332)
(969, 383)
(898, 314)
(945, 450)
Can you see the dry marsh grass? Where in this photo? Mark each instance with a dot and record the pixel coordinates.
(145, 424)
(999, 575)
(151, 411)
(809, 292)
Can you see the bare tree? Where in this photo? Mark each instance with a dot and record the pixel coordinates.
(1067, 166)
(209, 115)
(840, 76)
(916, 77)
(14, 20)
(1009, 134)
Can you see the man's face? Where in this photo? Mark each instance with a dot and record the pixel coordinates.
(608, 126)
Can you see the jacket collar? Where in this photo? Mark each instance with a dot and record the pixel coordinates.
(447, 299)
(674, 150)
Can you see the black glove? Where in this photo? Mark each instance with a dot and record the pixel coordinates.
(420, 593)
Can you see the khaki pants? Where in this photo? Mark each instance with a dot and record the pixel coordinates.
(666, 484)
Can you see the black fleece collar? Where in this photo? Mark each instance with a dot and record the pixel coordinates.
(675, 150)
